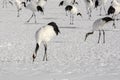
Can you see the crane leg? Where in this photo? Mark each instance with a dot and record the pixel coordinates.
(114, 24)
(18, 14)
(45, 54)
(103, 36)
(89, 13)
(70, 18)
(30, 18)
(99, 36)
(35, 17)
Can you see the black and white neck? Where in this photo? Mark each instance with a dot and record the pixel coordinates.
(24, 4)
(55, 27)
(39, 8)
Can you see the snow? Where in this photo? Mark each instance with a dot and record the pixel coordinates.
(69, 57)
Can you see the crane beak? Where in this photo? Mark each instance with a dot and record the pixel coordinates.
(33, 56)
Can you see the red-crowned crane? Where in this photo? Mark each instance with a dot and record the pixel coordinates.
(44, 35)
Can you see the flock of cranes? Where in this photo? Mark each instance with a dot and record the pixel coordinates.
(47, 32)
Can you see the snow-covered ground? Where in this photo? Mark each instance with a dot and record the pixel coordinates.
(70, 58)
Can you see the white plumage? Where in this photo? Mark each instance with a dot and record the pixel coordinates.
(44, 35)
(116, 6)
(114, 9)
(98, 26)
(73, 10)
(115, 3)
(89, 6)
(101, 4)
(34, 7)
(42, 3)
(18, 4)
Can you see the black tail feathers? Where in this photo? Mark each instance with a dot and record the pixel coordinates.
(39, 8)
